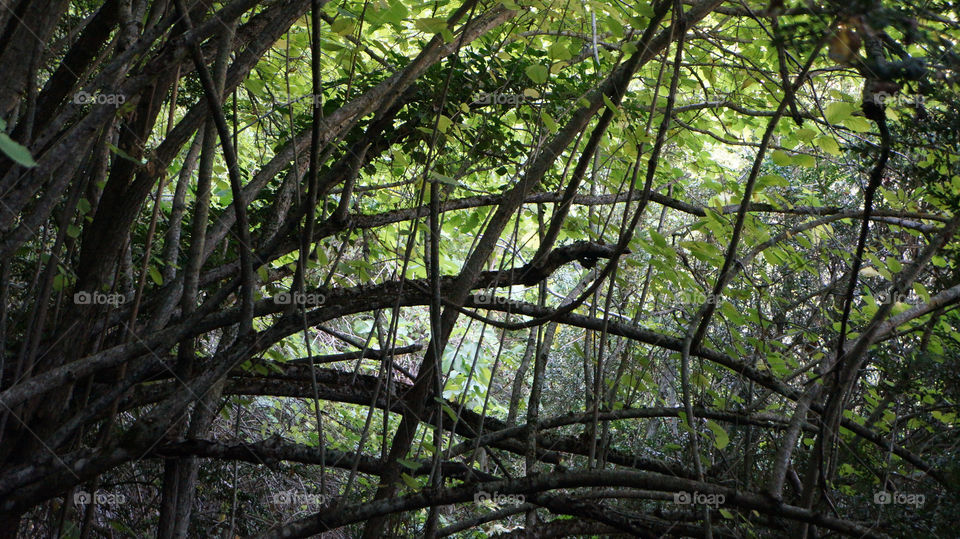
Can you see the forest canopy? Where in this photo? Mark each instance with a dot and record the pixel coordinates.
(527, 268)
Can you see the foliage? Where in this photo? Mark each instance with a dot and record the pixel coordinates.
(500, 268)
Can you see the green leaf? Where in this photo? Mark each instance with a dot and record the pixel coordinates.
(394, 13)
(778, 364)
(857, 124)
(773, 256)
(658, 239)
(436, 176)
(342, 26)
(704, 251)
(829, 145)
(771, 180)
(443, 123)
(256, 86)
(129, 157)
(945, 418)
(838, 111)
(806, 134)
(922, 292)
(155, 275)
(409, 464)
(559, 51)
(447, 409)
(804, 160)
(609, 103)
(781, 158)
(549, 122)
(16, 151)
(431, 25)
(410, 481)
(537, 73)
(720, 437)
